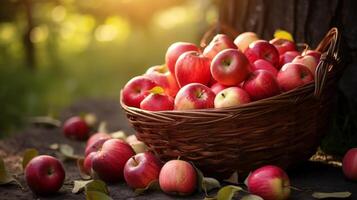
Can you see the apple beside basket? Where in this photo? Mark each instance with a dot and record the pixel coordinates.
(282, 130)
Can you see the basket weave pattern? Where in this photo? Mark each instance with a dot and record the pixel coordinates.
(281, 130)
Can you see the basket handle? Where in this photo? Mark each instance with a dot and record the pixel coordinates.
(329, 59)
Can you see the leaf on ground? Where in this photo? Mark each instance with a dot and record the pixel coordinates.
(251, 197)
(54, 146)
(95, 195)
(28, 155)
(227, 192)
(90, 119)
(210, 183)
(6, 177)
(233, 178)
(325, 195)
(68, 152)
(118, 135)
(153, 185)
(97, 185)
(82, 172)
(199, 178)
(79, 185)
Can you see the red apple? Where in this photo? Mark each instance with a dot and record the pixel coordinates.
(95, 146)
(192, 67)
(232, 96)
(110, 160)
(262, 49)
(218, 43)
(97, 136)
(287, 57)
(269, 182)
(261, 84)
(175, 51)
(164, 78)
(44, 175)
(217, 87)
(141, 169)
(293, 75)
(87, 163)
(283, 45)
(264, 65)
(308, 61)
(157, 102)
(230, 67)
(136, 90)
(349, 164)
(315, 54)
(178, 177)
(244, 39)
(76, 128)
(194, 96)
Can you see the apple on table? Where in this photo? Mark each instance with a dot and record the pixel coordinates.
(76, 128)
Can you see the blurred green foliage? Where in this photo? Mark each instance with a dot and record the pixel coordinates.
(85, 49)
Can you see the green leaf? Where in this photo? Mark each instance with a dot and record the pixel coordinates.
(97, 185)
(28, 155)
(209, 184)
(227, 192)
(78, 186)
(325, 195)
(251, 197)
(5, 176)
(82, 172)
(281, 34)
(118, 135)
(95, 195)
(199, 179)
(68, 152)
(153, 185)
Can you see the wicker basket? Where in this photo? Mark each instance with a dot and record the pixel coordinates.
(281, 130)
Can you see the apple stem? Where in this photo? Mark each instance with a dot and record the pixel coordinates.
(136, 162)
(179, 157)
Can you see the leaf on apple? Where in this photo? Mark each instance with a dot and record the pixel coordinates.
(68, 152)
(118, 135)
(251, 197)
(98, 186)
(5, 176)
(157, 90)
(28, 155)
(82, 172)
(153, 185)
(282, 34)
(326, 195)
(78, 186)
(95, 195)
(227, 192)
(102, 128)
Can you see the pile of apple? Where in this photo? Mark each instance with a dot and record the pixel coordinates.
(225, 73)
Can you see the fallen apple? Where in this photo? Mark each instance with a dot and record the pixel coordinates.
(349, 164)
(76, 128)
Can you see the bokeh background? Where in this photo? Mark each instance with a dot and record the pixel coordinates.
(54, 52)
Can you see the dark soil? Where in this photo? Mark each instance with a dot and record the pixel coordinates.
(314, 176)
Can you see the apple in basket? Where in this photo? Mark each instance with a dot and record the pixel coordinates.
(157, 100)
(261, 84)
(287, 57)
(261, 64)
(178, 177)
(244, 39)
(192, 67)
(217, 87)
(232, 96)
(218, 43)
(315, 54)
(262, 49)
(307, 60)
(175, 51)
(283, 45)
(194, 96)
(230, 67)
(349, 164)
(164, 78)
(76, 128)
(269, 182)
(44, 175)
(109, 161)
(141, 169)
(293, 75)
(136, 90)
